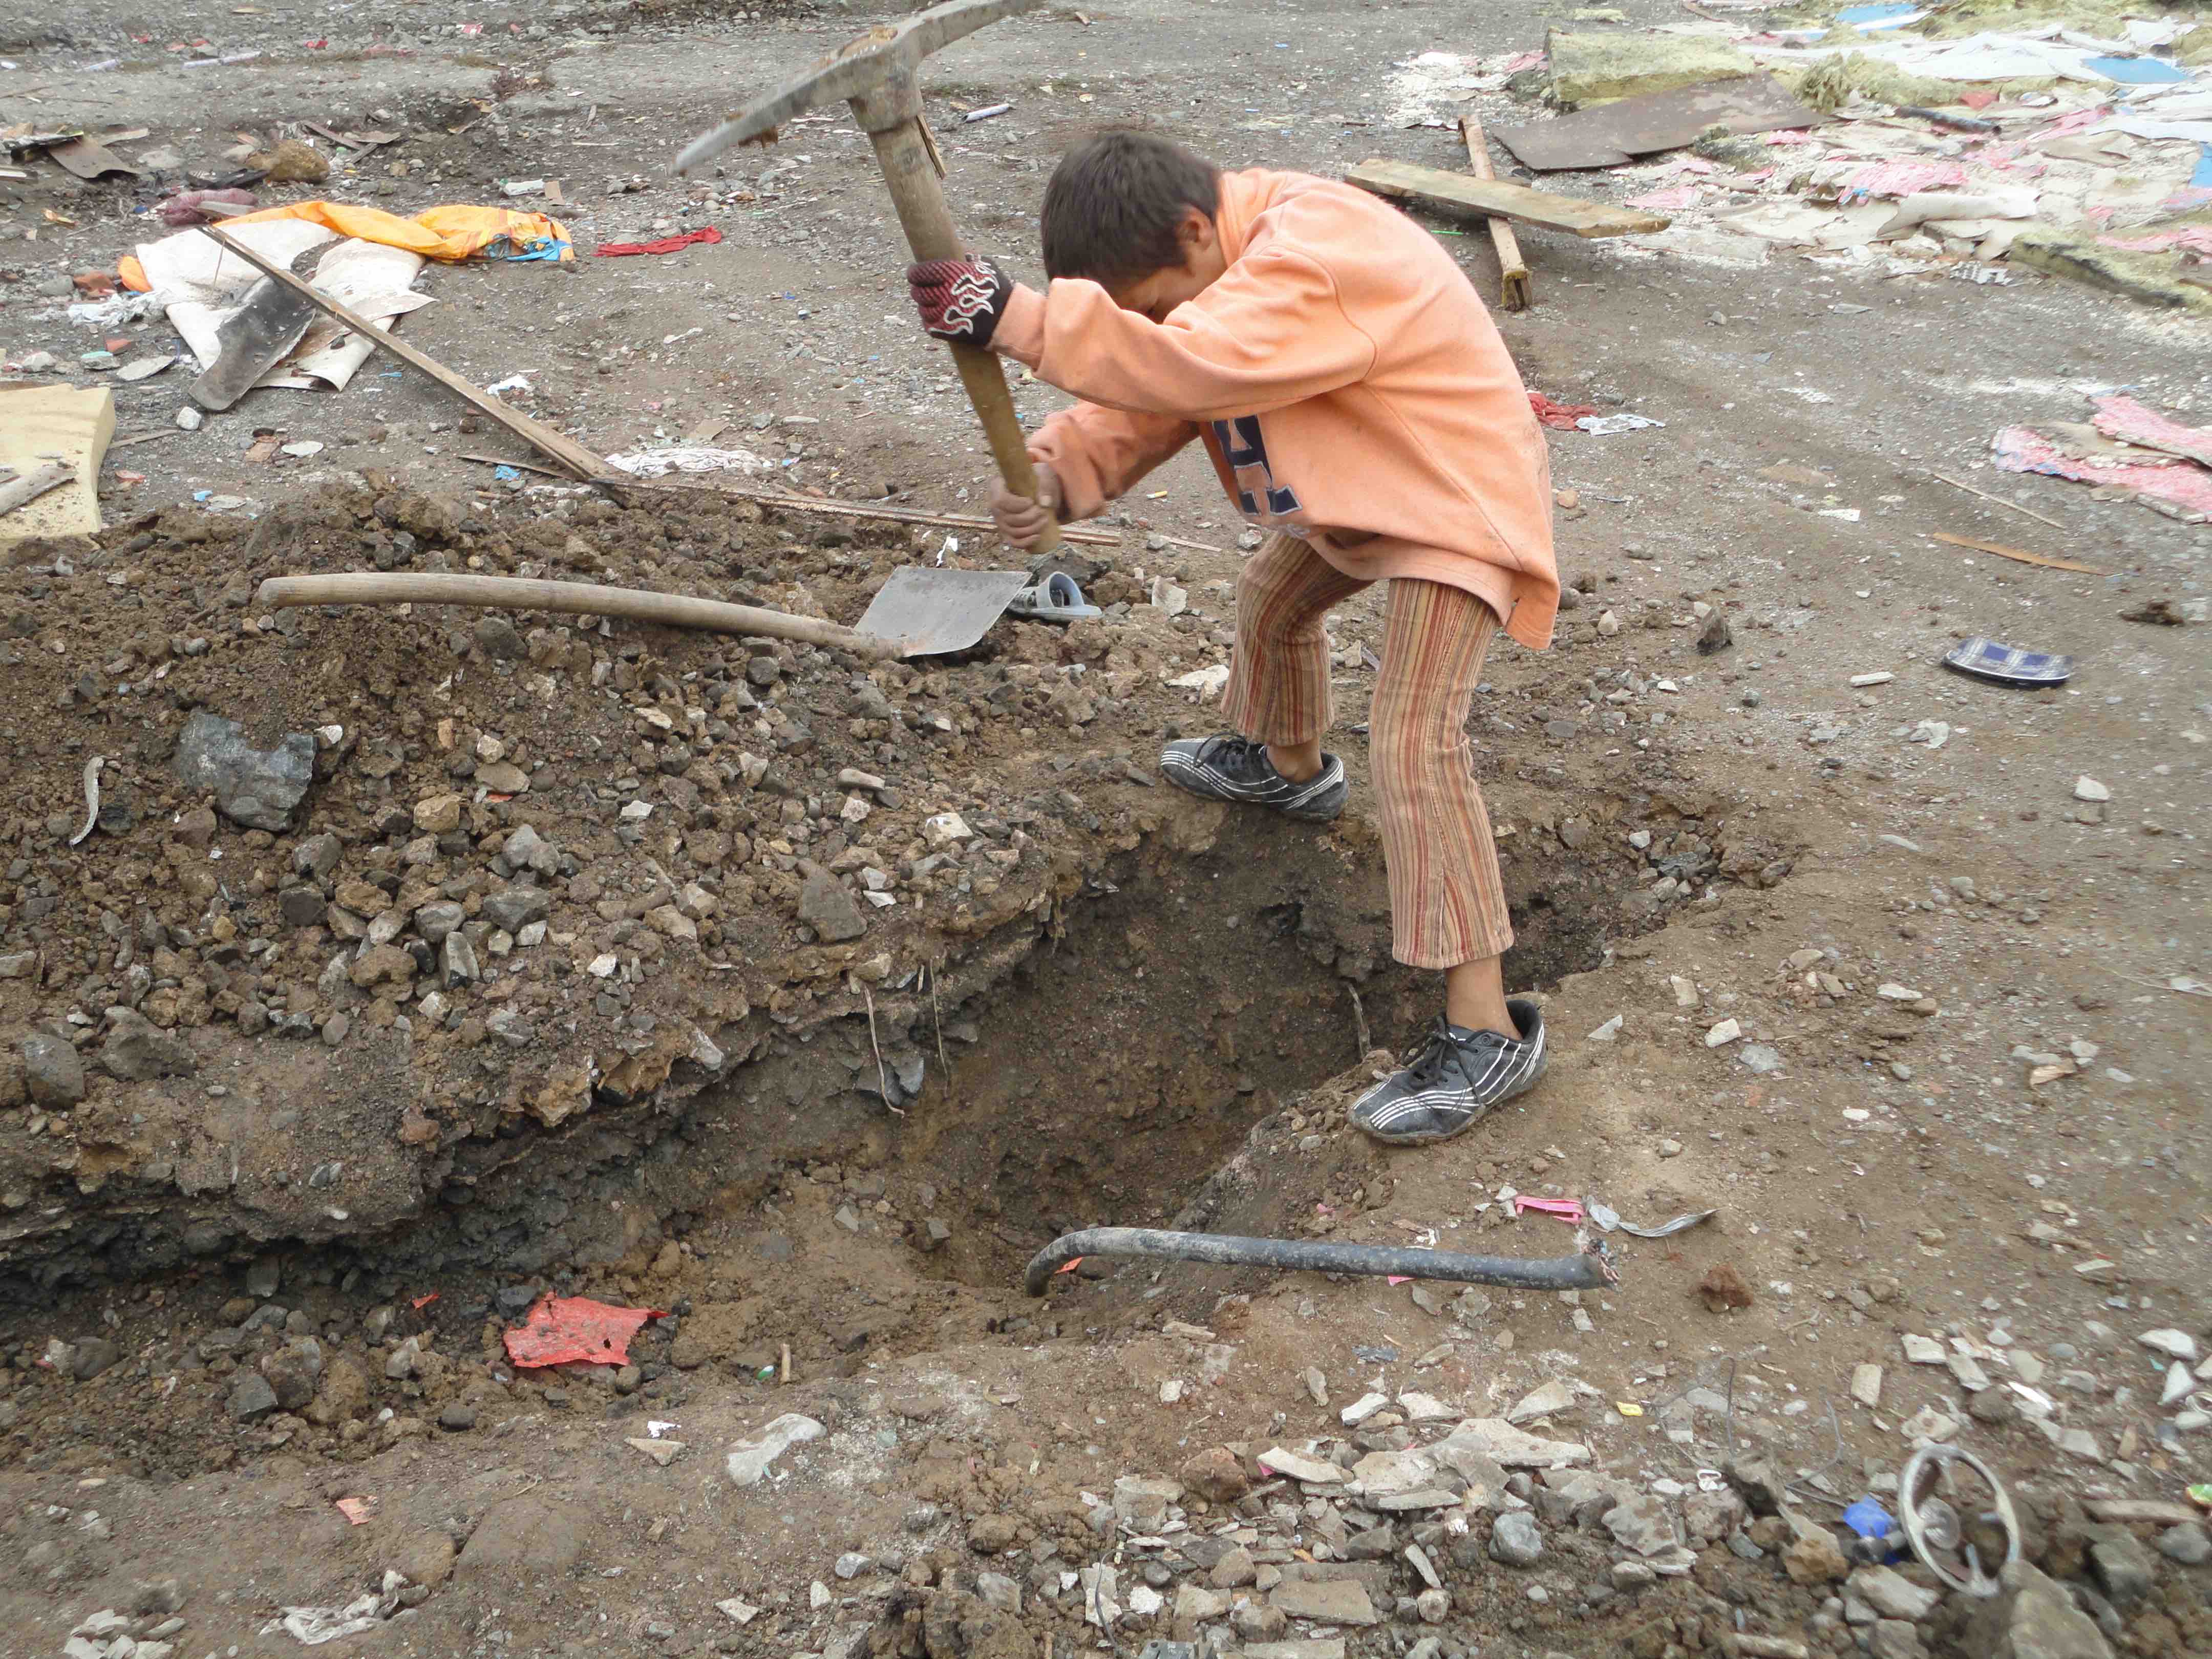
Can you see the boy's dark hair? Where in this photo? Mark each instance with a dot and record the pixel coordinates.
(1111, 209)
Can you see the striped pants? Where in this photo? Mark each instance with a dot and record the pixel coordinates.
(1447, 902)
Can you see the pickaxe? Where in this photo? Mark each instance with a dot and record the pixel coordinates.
(878, 74)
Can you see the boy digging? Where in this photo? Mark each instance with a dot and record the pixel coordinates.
(1360, 407)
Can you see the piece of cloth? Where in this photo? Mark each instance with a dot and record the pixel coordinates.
(665, 245)
(560, 1329)
(1347, 381)
(455, 231)
(1447, 898)
(960, 301)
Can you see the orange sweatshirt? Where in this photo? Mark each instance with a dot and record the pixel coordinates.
(1347, 382)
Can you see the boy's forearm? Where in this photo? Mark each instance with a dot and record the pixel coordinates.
(1243, 349)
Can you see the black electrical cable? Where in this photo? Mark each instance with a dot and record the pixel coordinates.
(1590, 1269)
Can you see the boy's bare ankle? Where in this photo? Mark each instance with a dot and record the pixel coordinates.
(1295, 764)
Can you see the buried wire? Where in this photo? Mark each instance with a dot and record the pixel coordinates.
(1591, 1268)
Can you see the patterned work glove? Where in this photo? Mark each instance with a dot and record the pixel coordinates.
(961, 301)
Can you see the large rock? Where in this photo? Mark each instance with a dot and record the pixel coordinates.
(2121, 1565)
(1892, 1594)
(1495, 1438)
(138, 1050)
(1642, 1524)
(1215, 1475)
(54, 1072)
(1598, 69)
(2033, 1618)
(829, 909)
(1328, 1601)
(524, 1538)
(257, 787)
(1515, 1540)
(1814, 1558)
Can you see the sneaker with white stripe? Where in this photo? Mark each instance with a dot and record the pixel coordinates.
(1456, 1080)
(1234, 768)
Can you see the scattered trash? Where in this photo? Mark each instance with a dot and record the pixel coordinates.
(1680, 1224)
(357, 1510)
(1934, 1508)
(1606, 426)
(91, 798)
(1567, 1209)
(681, 457)
(1057, 598)
(1559, 416)
(232, 317)
(1879, 1540)
(707, 233)
(986, 112)
(2008, 664)
(562, 1328)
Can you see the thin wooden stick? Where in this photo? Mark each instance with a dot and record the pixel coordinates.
(569, 599)
(535, 432)
(2019, 555)
(1959, 483)
(1513, 292)
(814, 503)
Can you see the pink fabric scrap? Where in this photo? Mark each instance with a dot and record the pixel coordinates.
(2131, 422)
(2197, 238)
(2186, 490)
(1667, 200)
(1903, 177)
(1567, 1209)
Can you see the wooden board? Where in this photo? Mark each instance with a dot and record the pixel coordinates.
(1610, 135)
(40, 422)
(1500, 199)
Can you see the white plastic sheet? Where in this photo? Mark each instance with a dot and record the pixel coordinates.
(201, 283)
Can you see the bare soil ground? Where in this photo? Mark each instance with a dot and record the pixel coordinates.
(1103, 1004)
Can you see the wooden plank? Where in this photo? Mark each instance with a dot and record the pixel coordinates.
(1500, 199)
(572, 455)
(41, 422)
(1513, 292)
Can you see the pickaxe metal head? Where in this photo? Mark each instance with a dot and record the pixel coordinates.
(877, 73)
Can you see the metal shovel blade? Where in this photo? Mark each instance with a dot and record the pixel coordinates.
(252, 340)
(931, 612)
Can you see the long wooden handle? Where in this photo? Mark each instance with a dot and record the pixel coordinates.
(926, 219)
(571, 598)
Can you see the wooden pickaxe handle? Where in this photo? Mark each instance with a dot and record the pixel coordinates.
(926, 218)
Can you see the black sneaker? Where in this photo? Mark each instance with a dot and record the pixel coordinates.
(1238, 769)
(1455, 1081)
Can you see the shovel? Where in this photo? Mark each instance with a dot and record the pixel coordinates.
(252, 340)
(930, 611)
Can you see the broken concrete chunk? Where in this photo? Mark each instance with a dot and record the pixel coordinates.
(1330, 1601)
(1495, 1438)
(1312, 1470)
(256, 787)
(750, 1460)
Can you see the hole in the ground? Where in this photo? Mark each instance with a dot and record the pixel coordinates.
(1121, 1065)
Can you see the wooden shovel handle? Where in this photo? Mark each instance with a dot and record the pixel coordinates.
(926, 219)
(570, 599)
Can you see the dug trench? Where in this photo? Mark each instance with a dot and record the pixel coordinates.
(1101, 1004)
